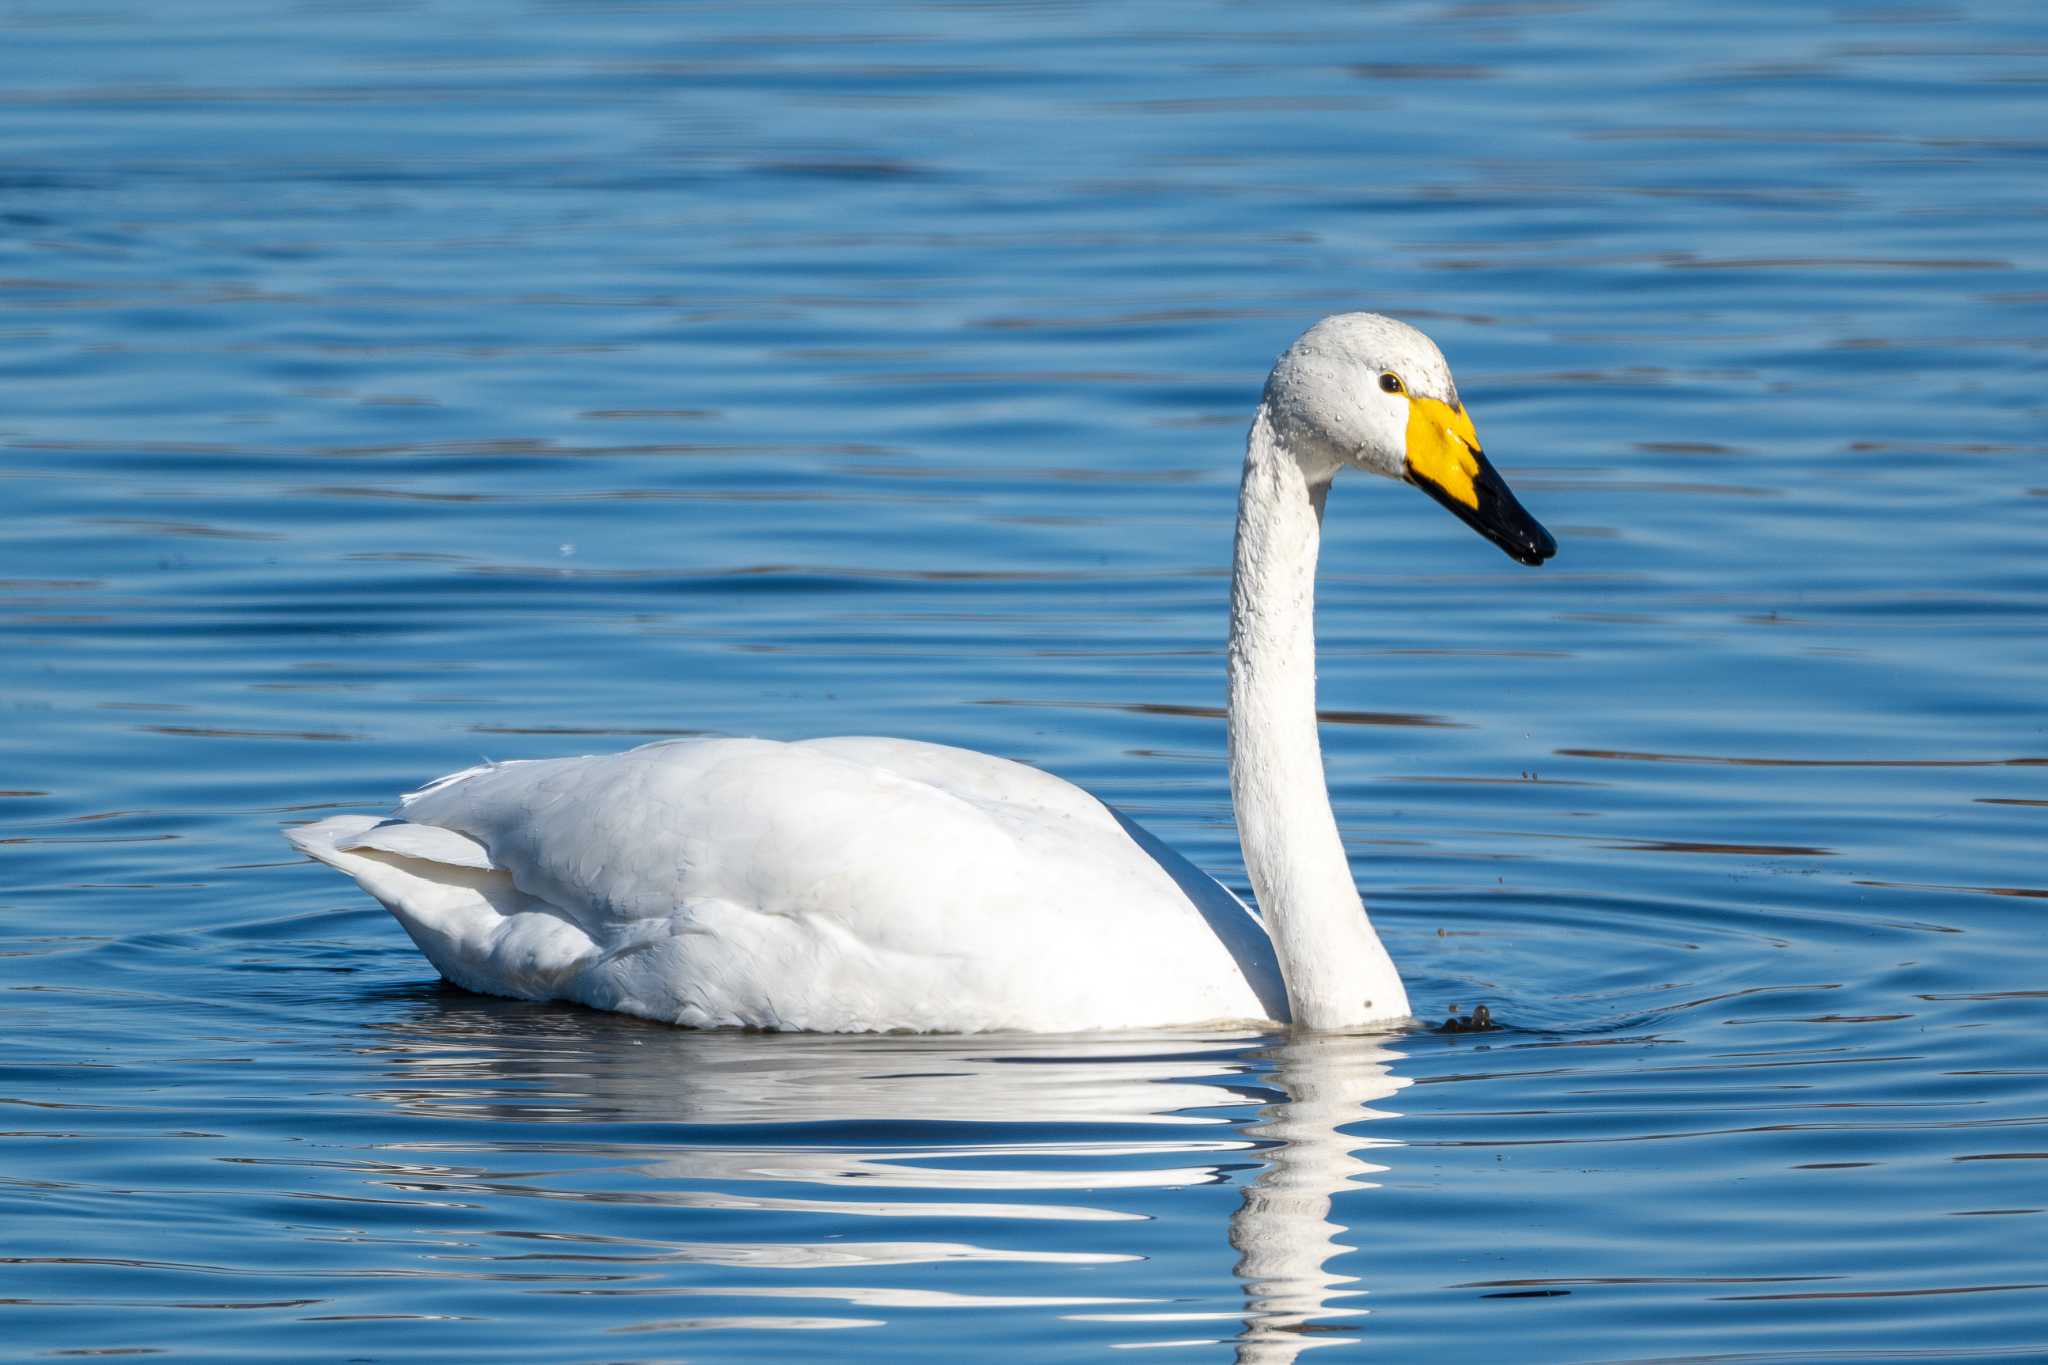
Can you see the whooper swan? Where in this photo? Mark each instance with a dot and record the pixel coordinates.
(860, 884)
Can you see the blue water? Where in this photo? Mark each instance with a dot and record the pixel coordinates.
(384, 387)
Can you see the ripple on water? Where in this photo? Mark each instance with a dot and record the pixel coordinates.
(385, 397)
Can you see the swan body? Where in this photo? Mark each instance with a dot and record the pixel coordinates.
(839, 885)
(864, 884)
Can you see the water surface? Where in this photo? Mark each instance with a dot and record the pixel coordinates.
(387, 387)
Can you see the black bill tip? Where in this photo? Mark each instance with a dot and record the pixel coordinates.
(1498, 517)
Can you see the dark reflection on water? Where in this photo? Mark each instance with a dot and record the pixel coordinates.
(387, 388)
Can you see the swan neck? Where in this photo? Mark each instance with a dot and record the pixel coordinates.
(1337, 972)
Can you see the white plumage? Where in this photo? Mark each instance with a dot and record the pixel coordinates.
(842, 885)
(860, 884)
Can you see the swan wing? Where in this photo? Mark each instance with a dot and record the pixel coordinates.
(1236, 925)
(840, 884)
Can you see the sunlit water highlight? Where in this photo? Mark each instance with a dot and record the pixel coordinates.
(382, 388)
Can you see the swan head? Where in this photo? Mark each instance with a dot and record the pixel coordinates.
(1368, 391)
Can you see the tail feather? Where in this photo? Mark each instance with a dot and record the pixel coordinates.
(421, 843)
(477, 928)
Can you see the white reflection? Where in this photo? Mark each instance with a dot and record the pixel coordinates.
(1283, 1231)
(522, 1070)
(484, 1066)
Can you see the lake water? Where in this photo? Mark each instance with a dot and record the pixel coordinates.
(385, 387)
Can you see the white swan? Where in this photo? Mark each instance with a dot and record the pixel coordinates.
(857, 884)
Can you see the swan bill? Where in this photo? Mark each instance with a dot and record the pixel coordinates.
(1494, 513)
(1445, 461)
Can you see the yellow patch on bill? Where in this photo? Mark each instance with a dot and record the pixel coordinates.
(1441, 448)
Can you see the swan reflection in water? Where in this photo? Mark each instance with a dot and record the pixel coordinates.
(992, 1131)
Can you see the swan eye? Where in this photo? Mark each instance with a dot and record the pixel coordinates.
(1390, 382)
